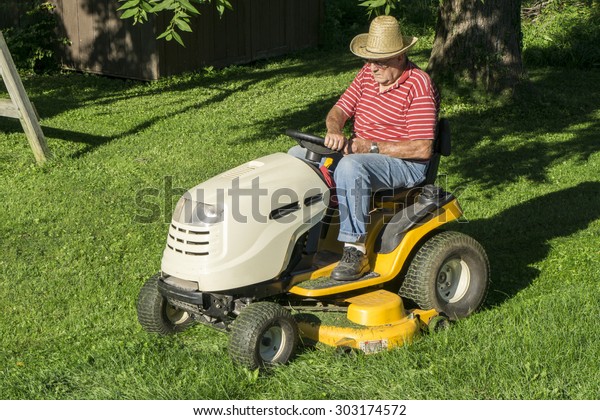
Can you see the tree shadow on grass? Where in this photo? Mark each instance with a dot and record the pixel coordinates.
(520, 236)
(100, 91)
(493, 145)
(310, 119)
(506, 143)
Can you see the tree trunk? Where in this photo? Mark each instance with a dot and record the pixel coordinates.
(478, 41)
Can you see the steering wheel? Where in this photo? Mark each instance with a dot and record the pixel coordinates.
(314, 145)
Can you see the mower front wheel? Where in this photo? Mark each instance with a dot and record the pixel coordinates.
(156, 315)
(264, 334)
(449, 273)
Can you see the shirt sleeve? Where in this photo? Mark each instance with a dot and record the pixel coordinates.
(421, 116)
(349, 99)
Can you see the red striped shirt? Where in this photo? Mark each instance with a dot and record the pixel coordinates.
(407, 111)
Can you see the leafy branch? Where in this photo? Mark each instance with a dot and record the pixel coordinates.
(379, 7)
(182, 11)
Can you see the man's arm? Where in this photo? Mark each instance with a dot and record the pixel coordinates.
(335, 140)
(335, 121)
(413, 149)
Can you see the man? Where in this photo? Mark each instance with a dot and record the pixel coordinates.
(394, 106)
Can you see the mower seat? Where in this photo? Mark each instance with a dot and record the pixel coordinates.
(441, 147)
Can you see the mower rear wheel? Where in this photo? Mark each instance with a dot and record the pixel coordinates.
(156, 315)
(449, 273)
(264, 334)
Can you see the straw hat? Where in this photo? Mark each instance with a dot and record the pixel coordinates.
(384, 40)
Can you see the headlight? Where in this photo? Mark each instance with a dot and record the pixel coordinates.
(188, 212)
(207, 213)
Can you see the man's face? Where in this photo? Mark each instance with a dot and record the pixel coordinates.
(386, 72)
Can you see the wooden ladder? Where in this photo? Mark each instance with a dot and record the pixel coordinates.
(19, 106)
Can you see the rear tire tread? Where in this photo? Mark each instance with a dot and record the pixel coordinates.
(418, 284)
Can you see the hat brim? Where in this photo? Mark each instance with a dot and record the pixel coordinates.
(358, 46)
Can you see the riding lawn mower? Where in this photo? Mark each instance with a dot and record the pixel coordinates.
(250, 252)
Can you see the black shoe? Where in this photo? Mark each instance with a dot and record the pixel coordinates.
(353, 265)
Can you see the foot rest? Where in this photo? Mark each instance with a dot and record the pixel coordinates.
(328, 282)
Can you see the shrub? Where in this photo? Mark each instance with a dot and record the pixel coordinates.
(33, 42)
(345, 19)
(562, 33)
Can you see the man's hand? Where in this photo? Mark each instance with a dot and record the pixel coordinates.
(335, 121)
(335, 141)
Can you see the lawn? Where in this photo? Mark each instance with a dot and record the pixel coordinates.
(81, 234)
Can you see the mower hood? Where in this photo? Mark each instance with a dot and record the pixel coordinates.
(239, 228)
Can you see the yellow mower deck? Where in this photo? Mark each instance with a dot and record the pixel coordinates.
(381, 324)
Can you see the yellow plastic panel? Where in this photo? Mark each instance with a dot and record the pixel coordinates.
(372, 339)
(375, 308)
(369, 340)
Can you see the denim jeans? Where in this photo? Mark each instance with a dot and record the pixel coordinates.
(357, 176)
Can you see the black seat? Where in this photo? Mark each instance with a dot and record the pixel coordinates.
(441, 147)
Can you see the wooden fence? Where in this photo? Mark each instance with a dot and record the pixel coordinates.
(104, 44)
(11, 12)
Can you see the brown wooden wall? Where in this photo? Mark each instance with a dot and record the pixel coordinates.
(10, 12)
(102, 43)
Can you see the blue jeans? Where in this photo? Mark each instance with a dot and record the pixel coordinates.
(357, 176)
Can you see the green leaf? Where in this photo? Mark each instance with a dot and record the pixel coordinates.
(188, 6)
(181, 14)
(181, 24)
(178, 38)
(141, 17)
(129, 4)
(224, 4)
(147, 7)
(162, 5)
(129, 13)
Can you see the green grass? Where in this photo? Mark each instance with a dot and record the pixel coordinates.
(75, 254)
